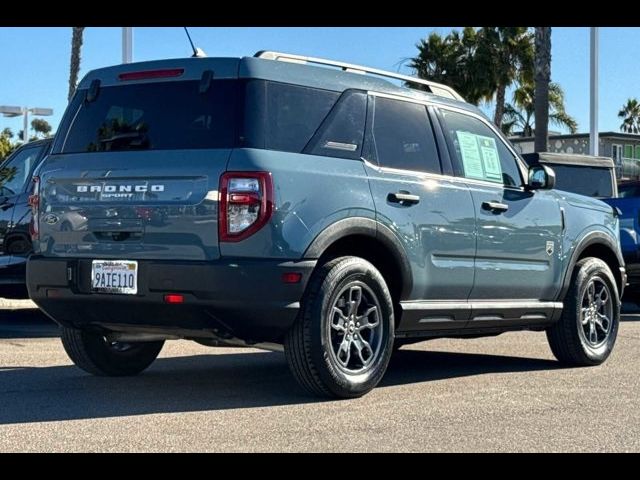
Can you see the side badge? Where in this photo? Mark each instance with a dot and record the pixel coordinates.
(51, 219)
(550, 248)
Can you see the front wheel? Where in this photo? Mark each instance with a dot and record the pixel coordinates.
(342, 340)
(94, 354)
(587, 330)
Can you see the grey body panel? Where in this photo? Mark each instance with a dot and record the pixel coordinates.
(512, 261)
(179, 222)
(311, 193)
(437, 233)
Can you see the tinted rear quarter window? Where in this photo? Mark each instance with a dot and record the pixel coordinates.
(342, 132)
(403, 137)
(284, 117)
(155, 116)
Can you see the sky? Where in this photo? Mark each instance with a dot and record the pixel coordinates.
(36, 60)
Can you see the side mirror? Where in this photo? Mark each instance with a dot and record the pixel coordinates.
(541, 177)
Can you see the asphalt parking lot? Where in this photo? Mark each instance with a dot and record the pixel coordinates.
(503, 393)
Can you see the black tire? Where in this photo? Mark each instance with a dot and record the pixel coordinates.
(568, 338)
(92, 353)
(310, 344)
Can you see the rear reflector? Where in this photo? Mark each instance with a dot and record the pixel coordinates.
(291, 277)
(173, 298)
(167, 73)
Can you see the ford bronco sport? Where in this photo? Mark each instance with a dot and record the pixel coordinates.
(306, 205)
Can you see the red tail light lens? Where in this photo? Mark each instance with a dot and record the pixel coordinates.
(246, 204)
(34, 203)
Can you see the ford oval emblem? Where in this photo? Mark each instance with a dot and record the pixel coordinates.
(51, 219)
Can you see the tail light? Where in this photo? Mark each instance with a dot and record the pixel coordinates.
(34, 203)
(246, 204)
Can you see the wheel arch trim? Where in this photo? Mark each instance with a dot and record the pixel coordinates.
(369, 228)
(590, 239)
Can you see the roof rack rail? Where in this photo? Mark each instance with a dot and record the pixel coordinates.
(435, 88)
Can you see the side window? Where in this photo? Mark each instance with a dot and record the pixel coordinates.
(480, 153)
(293, 114)
(342, 133)
(403, 136)
(15, 173)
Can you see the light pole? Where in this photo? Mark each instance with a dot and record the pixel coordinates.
(8, 111)
(127, 44)
(593, 90)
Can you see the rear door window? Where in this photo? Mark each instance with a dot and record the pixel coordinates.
(402, 136)
(155, 116)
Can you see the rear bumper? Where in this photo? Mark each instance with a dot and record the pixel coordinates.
(12, 269)
(242, 298)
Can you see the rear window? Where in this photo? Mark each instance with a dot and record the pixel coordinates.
(627, 191)
(155, 116)
(589, 181)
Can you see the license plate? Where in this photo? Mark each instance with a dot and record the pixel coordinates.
(114, 276)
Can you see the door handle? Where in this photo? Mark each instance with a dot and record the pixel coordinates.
(403, 198)
(495, 206)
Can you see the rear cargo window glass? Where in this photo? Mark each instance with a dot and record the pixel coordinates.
(156, 116)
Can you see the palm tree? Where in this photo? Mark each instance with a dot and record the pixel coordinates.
(76, 46)
(521, 112)
(508, 54)
(630, 115)
(455, 61)
(542, 79)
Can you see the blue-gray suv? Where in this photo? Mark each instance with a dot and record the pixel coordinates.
(296, 203)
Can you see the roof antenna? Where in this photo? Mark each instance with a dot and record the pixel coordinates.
(197, 52)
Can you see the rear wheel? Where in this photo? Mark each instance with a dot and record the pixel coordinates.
(94, 354)
(342, 341)
(587, 331)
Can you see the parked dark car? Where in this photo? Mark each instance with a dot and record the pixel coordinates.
(15, 214)
(584, 174)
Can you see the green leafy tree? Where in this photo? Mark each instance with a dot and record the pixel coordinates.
(630, 115)
(21, 136)
(41, 127)
(74, 67)
(6, 145)
(521, 113)
(542, 80)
